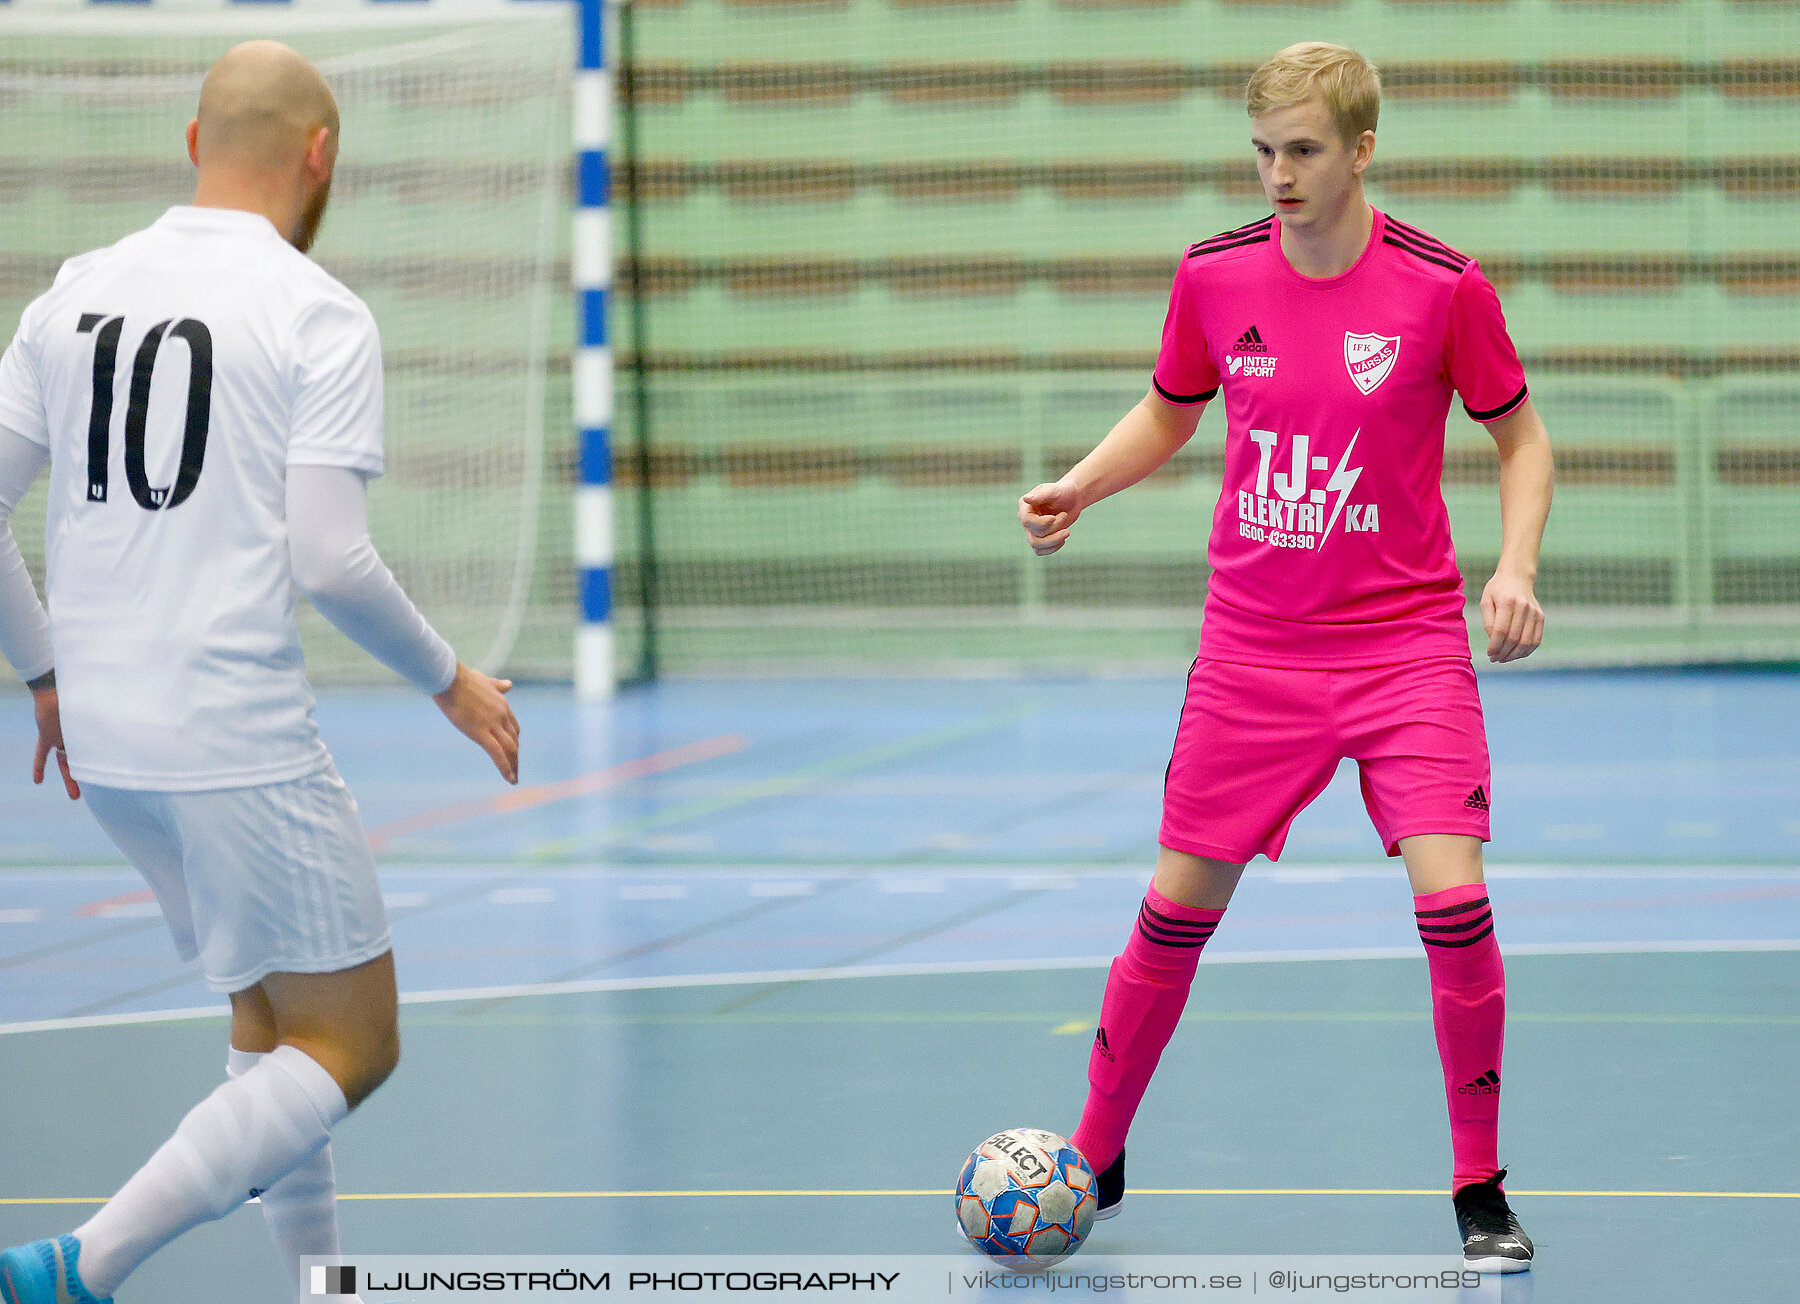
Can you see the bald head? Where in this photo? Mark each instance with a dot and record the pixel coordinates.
(261, 107)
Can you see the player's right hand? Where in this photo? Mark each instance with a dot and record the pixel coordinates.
(1047, 512)
(50, 741)
(476, 704)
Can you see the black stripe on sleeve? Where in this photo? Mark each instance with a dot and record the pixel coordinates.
(1261, 237)
(1494, 413)
(1207, 397)
(1262, 224)
(1420, 247)
(1390, 240)
(1424, 238)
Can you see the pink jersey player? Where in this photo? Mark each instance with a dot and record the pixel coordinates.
(1330, 543)
(1334, 625)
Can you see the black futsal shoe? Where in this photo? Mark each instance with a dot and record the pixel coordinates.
(1109, 1189)
(1493, 1241)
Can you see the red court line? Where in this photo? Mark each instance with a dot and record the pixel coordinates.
(105, 904)
(543, 793)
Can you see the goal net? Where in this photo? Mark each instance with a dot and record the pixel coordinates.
(448, 216)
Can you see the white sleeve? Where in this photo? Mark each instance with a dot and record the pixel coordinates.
(24, 629)
(336, 565)
(335, 386)
(21, 396)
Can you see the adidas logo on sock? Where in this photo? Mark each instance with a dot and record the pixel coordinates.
(1251, 342)
(1101, 1046)
(1485, 1085)
(1477, 800)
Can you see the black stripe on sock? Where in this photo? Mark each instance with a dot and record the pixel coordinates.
(1467, 941)
(1151, 928)
(1193, 945)
(1173, 922)
(1184, 934)
(1485, 917)
(1478, 903)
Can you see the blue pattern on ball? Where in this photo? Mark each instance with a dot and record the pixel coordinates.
(1032, 1180)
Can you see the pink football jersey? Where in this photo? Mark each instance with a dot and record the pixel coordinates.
(1330, 542)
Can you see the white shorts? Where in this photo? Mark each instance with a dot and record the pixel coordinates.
(276, 878)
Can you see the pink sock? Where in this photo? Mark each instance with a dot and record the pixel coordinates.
(1468, 1009)
(1145, 991)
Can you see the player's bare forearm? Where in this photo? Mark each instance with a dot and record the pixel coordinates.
(1510, 611)
(1527, 481)
(1144, 438)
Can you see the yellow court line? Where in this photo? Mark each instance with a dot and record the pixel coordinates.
(1197, 1190)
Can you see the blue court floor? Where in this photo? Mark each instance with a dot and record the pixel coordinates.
(719, 922)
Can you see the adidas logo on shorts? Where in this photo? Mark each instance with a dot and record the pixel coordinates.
(1477, 800)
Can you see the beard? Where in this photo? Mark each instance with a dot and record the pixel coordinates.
(311, 219)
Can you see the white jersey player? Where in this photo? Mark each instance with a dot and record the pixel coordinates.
(210, 404)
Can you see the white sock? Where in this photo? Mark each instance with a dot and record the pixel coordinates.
(300, 1209)
(243, 1137)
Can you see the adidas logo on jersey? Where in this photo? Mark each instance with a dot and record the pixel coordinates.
(1477, 800)
(1251, 341)
(1253, 359)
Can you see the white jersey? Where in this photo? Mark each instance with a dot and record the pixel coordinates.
(174, 377)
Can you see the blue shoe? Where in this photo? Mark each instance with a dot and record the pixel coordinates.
(44, 1272)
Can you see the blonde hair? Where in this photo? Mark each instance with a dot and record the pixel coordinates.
(1347, 82)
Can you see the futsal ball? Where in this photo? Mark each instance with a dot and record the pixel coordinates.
(1026, 1196)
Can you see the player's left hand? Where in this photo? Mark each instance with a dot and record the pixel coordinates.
(1512, 617)
(476, 704)
(50, 739)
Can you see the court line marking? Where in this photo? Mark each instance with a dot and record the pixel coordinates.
(763, 907)
(969, 865)
(540, 794)
(661, 982)
(943, 1192)
(781, 785)
(107, 905)
(860, 958)
(950, 967)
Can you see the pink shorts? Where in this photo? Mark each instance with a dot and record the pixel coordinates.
(1258, 743)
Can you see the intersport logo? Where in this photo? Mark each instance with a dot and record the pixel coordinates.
(1252, 365)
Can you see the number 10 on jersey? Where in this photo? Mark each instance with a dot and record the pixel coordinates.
(106, 331)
